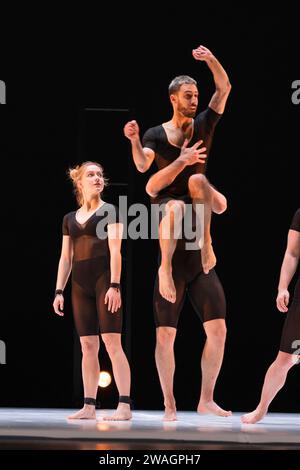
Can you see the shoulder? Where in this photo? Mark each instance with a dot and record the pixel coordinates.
(67, 222)
(207, 113)
(153, 137)
(207, 120)
(153, 131)
(69, 216)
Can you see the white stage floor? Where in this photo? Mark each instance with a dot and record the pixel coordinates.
(50, 427)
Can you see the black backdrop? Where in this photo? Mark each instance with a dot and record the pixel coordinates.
(254, 161)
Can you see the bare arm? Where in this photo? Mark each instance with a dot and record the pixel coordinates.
(63, 273)
(288, 269)
(113, 296)
(222, 83)
(115, 233)
(65, 262)
(166, 176)
(142, 157)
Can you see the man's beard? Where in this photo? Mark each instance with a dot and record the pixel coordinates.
(187, 113)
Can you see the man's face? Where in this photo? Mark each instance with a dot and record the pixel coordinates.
(186, 100)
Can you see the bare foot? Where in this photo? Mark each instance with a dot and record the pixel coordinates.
(87, 412)
(253, 417)
(212, 407)
(166, 285)
(170, 414)
(208, 257)
(122, 413)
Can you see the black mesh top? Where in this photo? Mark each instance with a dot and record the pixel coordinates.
(156, 139)
(90, 238)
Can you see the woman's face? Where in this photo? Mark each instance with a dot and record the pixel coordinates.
(91, 182)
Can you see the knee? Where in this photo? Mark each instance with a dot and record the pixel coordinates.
(112, 344)
(89, 346)
(165, 337)
(217, 334)
(197, 182)
(286, 361)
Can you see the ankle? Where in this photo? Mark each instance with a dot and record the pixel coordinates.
(124, 406)
(262, 409)
(170, 404)
(204, 400)
(125, 401)
(89, 402)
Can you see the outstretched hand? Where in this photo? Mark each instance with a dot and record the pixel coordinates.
(131, 130)
(202, 53)
(194, 154)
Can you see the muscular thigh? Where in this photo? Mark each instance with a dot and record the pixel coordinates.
(207, 296)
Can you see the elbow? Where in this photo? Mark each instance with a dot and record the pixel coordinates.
(225, 88)
(294, 254)
(141, 168)
(66, 260)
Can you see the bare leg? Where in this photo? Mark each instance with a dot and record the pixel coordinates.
(211, 362)
(274, 380)
(169, 231)
(165, 363)
(90, 375)
(201, 193)
(121, 373)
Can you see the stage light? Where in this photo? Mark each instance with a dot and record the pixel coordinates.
(104, 379)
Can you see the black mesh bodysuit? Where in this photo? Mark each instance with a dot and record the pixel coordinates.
(204, 290)
(290, 338)
(91, 272)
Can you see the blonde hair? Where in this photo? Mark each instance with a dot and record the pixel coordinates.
(75, 175)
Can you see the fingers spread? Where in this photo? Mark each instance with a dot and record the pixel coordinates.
(197, 144)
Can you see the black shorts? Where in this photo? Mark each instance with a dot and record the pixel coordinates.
(89, 286)
(205, 291)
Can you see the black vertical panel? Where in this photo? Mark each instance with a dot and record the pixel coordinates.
(37, 145)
